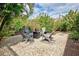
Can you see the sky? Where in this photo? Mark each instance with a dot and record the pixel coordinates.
(53, 9)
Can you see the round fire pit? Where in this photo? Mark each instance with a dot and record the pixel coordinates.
(36, 34)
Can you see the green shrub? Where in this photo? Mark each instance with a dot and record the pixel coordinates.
(63, 26)
(74, 35)
(13, 26)
(75, 28)
(6, 33)
(60, 25)
(46, 21)
(56, 25)
(16, 24)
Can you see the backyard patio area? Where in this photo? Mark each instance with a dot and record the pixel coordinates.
(37, 48)
(61, 46)
(27, 30)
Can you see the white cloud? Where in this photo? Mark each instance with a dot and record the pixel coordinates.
(55, 9)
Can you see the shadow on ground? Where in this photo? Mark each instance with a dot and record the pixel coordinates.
(11, 41)
(5, 45)
(71, 48)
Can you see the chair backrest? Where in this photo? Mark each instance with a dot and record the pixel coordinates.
(26, 30)
(43, 29)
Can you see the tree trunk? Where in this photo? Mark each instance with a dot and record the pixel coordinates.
(2, 24)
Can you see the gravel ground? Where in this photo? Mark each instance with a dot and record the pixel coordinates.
(37, 48)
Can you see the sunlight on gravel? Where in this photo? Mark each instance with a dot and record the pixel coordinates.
(40, 48)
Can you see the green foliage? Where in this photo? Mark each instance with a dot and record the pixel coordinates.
(74, 35)
(66, 23)
(60, 25)
(56, 25)
(8, 11)
(70, 19)
(9, 24)
(63, 25)
(46, 21)
(13, 26)
(11, 8)
(75, 28)
(6, 33)
(76, 23)
(17, 24)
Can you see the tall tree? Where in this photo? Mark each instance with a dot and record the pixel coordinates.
(10, 10)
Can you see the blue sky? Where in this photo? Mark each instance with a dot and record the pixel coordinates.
(53, 9)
